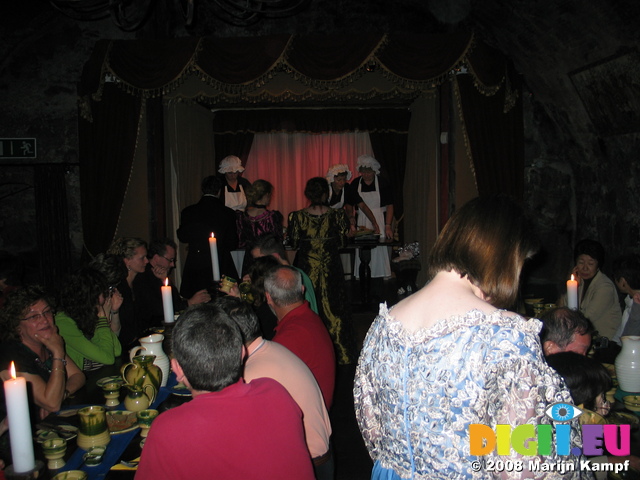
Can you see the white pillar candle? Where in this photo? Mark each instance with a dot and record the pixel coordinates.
(572, 293)
(167, 302)
(15, 393)
(213, 246)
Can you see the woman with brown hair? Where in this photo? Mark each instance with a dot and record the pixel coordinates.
(257, 220)
(450, 355)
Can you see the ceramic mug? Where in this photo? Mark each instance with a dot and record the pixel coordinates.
(226, 283)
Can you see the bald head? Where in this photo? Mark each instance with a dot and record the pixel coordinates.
(284, 286)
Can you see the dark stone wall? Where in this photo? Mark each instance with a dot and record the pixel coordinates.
(581, 175)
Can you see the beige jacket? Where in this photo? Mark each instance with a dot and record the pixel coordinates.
(601, 305)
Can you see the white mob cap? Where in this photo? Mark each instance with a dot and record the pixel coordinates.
(367, 161)
(337, 170)
(230, 164)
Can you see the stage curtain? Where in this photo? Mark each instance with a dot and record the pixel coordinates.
(288, 160)
(190, 159)
(239, 68)
(107, 143)
(495, 137)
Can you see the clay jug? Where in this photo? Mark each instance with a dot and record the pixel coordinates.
(137, 398)
(152, 345)
(628, 364)
(142, 372)
(93, 430)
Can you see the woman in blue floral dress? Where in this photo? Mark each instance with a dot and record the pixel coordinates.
(450, 356)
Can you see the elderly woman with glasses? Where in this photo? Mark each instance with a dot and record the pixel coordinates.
(31, 340)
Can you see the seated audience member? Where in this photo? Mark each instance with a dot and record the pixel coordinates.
(266, 317)
(10, 275)
(83, 320)
(146, 286)
(269, 244)
(112, 267)
(565, 330)
(31, 340)
(597, 295)
(300, 329)
(197, 223)
(272, 360)
(626, 274)
(588, 381)
(235, 430)
(133, 253)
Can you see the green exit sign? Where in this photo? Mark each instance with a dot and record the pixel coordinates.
(17, 148)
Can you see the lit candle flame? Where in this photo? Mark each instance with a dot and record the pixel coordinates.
(166, 282)
(572, 277)
(212, 235)
(13, 370)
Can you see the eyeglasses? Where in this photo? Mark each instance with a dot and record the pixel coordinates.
(170, 260)
(48, 314)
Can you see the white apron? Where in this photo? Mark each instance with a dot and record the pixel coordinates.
(380, 266)
(340, 204)
(235, 200)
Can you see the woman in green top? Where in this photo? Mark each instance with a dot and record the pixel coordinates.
(86, 306)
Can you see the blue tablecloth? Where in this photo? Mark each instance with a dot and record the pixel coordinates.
(117, 445)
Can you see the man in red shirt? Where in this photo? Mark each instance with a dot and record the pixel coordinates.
(299, 328)
(231, 429)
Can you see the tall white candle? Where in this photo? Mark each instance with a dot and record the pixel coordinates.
(15, 393)
(572, 293)
(213, 246)
(167, 302)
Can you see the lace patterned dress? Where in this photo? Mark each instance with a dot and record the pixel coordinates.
(417, 393)
(318, 239)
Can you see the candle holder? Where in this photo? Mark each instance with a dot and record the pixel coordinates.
(54, 450)
(38, 472)
(166, 343)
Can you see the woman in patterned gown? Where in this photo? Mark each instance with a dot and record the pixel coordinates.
(450, 356)
(257, 220)
(318, 232)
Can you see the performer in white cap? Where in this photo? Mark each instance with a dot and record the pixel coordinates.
(377, 195)
(234, 184)
(341, 195)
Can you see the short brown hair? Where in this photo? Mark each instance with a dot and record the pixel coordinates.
(488, 239)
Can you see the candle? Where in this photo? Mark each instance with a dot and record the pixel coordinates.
(167, 302)
(15, 393)
(213, 246)
(572, 293)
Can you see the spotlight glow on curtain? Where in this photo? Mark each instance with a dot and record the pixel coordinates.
(289, 160)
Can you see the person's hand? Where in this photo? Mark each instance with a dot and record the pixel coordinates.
(53, 342)
(388, 233)
(636, 297)
(114, 302)
(160, 272)
(234, 291)
(352, 231)
(199, 297)
(246, 278)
